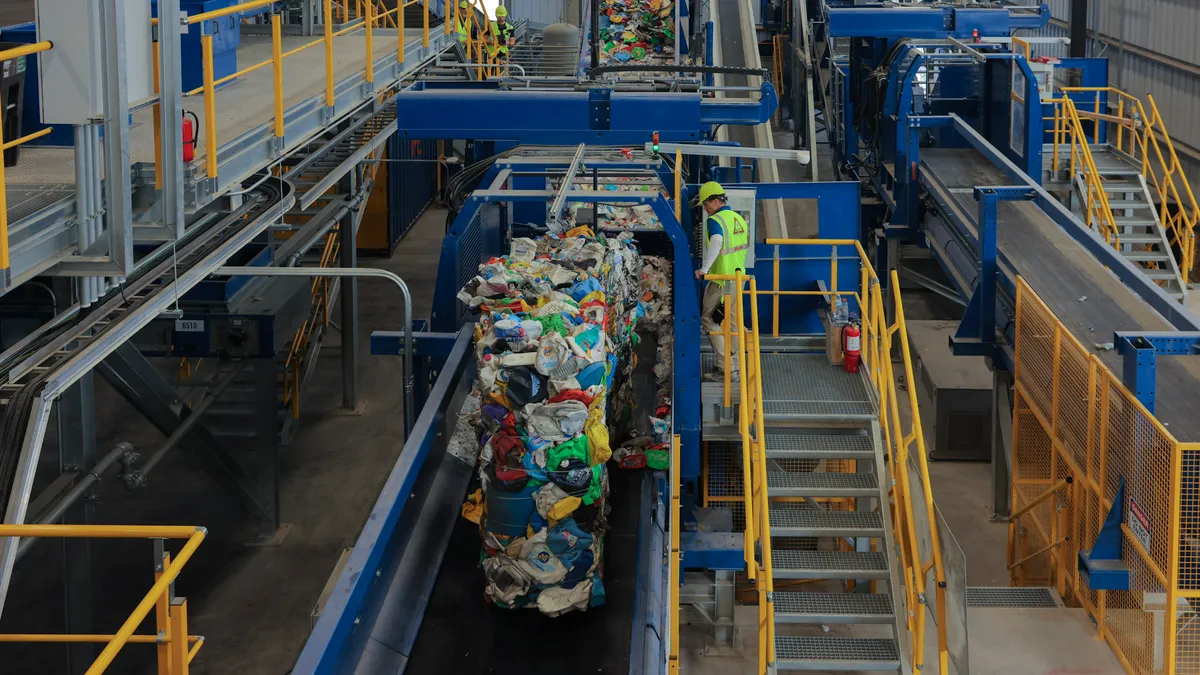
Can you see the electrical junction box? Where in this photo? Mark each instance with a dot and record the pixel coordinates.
(745, 202)
(71, 74)
(954, 392)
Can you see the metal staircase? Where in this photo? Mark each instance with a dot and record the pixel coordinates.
(1139, 233)
(1115, 159)
(853, 546)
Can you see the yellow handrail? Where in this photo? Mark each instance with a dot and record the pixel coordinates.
(171, 615)
(1098, 213)
(226, 11)
(676, 559)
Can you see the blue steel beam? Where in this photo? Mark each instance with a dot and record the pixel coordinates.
(890, 21)
(597, 116)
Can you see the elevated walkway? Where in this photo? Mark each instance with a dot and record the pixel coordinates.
(237, 140)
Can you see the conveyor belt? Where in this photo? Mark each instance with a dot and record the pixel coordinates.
(1063, 273)
(462, 633)
(729, 25)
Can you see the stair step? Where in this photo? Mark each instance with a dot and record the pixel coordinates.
(1140, 239)
(1121, 186)
(836, 653)
(814, 522)
(787, 445)
(1134, 221)
(1160, 274)
(789, 564)
(821, 484)
(1128, 204)
(1144, 256)
(831, 608)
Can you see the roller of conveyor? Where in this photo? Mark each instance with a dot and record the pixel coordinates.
(1086, 296)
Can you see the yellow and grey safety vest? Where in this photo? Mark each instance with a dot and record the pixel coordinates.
(735, 241)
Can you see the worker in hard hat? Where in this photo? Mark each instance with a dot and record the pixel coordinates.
(725, 253)
(505, 34)
(463, 24)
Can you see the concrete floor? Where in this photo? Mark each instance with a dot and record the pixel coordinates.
(252, 604)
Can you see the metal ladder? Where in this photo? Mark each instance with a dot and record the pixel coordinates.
(861, 541)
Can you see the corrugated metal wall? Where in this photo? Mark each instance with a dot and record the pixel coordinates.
(541, 13)
(1160, 55)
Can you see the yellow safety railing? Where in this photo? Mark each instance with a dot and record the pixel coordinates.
(176, 648)
(1068, 129)
(367, 17)
(1140, 132)
(905, 442)
(5, 55)
(1078, 434)
(675, 558)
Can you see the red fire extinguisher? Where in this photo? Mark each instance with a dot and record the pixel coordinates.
(851, 347)
(190, 129)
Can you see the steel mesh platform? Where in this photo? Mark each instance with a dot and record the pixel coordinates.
(819, 484)
(804, 387)
(833, 607)
(791, 564)
(26, 200)
(981, 596)
(784, 444)
(836, 653)
(812, 522)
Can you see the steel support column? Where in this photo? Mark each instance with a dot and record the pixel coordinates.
(118, 189)
(1001, 445)
(170, 79)
(77, 453)
(349, 311)
(266, 433)
(1077, 26)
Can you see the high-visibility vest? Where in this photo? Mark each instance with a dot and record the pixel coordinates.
(502, 33)
(735, 241)
(460, 27)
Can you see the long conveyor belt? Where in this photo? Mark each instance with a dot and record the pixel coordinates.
(423, 610)
(1085, 296)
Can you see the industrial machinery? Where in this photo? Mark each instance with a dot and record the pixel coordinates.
(208, 261)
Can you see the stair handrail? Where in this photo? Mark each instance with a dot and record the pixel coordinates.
(1067, 124)
(766, 585)
(1159, 167)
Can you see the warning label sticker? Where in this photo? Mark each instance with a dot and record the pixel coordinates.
(1139, 524)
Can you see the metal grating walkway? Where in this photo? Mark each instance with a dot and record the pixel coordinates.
(804, 387)
(788, 444)
(829, 564)
(833, 607)
(984, 596)
(797, 484)
(835, 653)
(813, 522)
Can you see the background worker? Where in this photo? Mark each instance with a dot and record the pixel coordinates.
(725, 253)
(505, 34)
(463, 24)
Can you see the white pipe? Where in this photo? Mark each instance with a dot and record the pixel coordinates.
(81, 208)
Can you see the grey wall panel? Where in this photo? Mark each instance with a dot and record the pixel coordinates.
(543, 12)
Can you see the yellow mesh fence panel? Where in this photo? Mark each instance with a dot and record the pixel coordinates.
(1074, 419)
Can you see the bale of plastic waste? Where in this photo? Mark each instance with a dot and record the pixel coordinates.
(556, 317)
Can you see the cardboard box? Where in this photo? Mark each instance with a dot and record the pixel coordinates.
(833, 340)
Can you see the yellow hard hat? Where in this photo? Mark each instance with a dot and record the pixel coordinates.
(501, 12)
(462, 4)
(709, 190)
